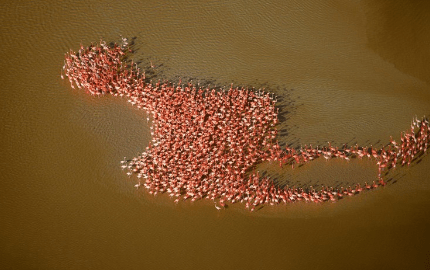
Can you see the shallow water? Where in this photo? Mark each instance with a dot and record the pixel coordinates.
(337, 65)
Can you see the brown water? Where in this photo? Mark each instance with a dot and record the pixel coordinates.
(349, 72)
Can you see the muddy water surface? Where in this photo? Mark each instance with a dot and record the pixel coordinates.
(347, 72)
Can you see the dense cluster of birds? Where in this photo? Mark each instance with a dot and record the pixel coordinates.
(206, 142)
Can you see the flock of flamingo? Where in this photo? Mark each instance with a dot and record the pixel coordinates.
(205, 143)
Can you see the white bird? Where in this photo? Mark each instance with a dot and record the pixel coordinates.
(217, 207)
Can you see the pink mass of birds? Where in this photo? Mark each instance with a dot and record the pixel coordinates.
(206, 142)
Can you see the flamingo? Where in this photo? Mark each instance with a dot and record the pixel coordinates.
(217, 207)
(215, 136)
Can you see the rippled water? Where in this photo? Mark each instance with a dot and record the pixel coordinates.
(348, 72)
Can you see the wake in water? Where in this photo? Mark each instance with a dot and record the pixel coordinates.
(205, 143)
